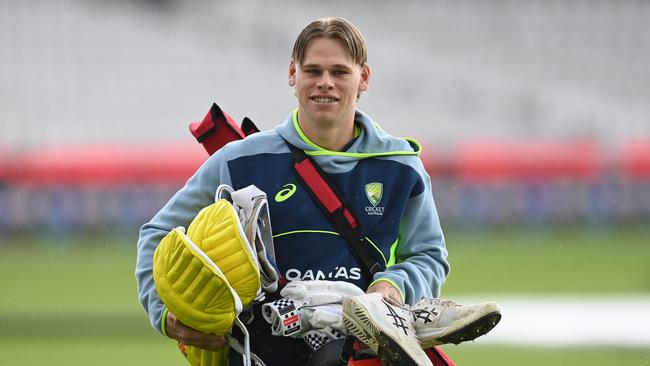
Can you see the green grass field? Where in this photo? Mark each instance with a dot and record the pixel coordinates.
(561, 262)
(73, 301)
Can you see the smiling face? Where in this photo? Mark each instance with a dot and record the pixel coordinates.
(327, 83)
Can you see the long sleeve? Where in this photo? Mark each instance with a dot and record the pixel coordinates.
(197, 193)
(421, 256)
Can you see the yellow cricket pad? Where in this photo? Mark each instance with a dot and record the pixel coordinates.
(195, 292)
(218, 232)
(201, 357)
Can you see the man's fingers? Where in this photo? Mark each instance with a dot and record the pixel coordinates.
(388, 291)
(192, 337)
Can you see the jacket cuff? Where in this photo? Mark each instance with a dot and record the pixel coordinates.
(163, 322)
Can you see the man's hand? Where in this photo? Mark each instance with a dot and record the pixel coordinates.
(387, 290)
(192, 337)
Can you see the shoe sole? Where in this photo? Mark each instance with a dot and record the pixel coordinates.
(388, 354)
(469, 332)
(389, 350)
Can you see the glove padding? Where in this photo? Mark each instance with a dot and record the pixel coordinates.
(193, 286)
(311, 310)
(252, 208)
(320, 292)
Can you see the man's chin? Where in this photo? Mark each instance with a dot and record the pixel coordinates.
(325, 118)
(322, 117)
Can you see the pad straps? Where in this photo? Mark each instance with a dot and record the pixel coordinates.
(331, 201)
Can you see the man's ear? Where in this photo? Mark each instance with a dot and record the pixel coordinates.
(365, 77)
(292, 73)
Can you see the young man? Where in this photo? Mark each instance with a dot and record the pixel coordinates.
(381, 178)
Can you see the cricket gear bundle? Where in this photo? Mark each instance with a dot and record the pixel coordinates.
(443, 321)
(207, 277)
(311, 310)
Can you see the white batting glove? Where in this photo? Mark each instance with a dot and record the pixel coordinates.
(320, 292)
(310, 305)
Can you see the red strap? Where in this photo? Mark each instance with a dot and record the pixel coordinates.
(350, 218)
(367, 362)
(439, 358)
(435, 354)
(323, 191)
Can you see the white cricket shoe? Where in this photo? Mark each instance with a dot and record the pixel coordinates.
(443, 321)
(386, 328)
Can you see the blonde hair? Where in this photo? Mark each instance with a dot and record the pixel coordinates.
(332, 28)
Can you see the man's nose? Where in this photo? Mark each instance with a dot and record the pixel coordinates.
(326, 81)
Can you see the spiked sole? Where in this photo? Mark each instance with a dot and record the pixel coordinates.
(469, 332)
(357, 322)
(388, 355)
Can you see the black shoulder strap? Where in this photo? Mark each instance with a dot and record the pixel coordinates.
(331, 201)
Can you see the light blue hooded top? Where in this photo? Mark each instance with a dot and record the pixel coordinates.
(382, 180)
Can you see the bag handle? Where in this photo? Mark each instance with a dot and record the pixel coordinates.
(217, 129)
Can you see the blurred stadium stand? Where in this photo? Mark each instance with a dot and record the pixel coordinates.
(117, 188)
(528, 110)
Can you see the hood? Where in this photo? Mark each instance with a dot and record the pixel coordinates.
(371, 142)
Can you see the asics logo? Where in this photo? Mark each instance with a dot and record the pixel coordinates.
(398, 321)
(423, 315)
(285, 193)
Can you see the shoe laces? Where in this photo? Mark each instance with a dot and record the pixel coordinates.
(429, 310)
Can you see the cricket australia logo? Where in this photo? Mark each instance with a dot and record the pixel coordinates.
(374, 192)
